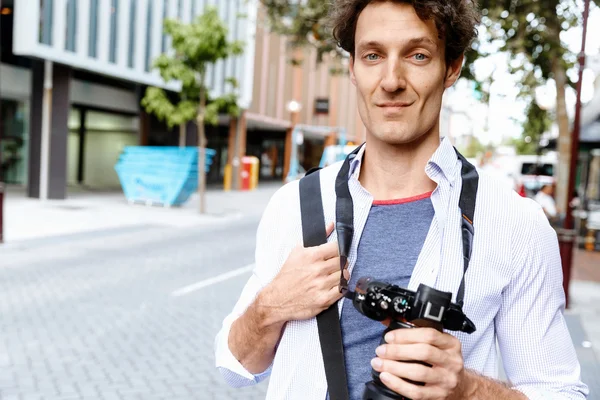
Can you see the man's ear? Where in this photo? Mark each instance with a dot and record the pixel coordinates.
(453, 71)
(351, 69)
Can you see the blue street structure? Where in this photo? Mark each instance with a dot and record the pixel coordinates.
(160, 175)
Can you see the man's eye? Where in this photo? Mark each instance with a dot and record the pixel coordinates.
(420, 57)
(372, 57)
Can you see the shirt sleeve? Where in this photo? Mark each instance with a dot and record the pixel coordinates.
(268, 262)
(536, 347)
(231, 369)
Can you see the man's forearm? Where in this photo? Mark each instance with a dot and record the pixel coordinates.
(478, 387)
(254, 336)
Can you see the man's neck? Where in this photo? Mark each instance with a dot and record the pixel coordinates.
(397, 171)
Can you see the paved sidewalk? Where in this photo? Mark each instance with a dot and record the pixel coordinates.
(583, 320)
(88, 211)
(586, 266)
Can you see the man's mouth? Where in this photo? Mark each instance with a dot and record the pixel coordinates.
(394, 104)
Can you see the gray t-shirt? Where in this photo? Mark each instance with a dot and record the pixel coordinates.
(388, 250)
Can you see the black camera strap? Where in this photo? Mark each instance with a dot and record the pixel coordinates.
(466, 203)
(345, 216)
(328, 322)
(314, 234)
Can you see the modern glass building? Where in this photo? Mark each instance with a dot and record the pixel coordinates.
(72, 73)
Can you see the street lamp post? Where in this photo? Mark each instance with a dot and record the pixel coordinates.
(292, 138)
(567, 235)
(1, 178)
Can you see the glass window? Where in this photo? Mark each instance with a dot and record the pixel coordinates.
(164, 37)
(14, 118)
(179, 9)
(147, 60)
(193, 9)
(93, 37)
(45, 33)
(132, 23)
(71, 25)
(114, 13)
(537, 169)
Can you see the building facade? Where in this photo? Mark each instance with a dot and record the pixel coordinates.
(319, 99)
(73, 72)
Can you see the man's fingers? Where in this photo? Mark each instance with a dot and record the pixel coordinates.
(421, 335)
(329, 228)
(331, 266)
(410, 390)
(334, 294)
(412, 352)
(331, 280)
(327, 250)
(413, 371)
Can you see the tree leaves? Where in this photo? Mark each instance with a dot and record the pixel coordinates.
(537, 122)
(304, 22)
(529, 30)
(195, 46)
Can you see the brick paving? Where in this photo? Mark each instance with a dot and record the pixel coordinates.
(90, 315)
(93, 317)
(586, 265)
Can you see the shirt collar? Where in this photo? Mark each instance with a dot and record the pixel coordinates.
(443, 159)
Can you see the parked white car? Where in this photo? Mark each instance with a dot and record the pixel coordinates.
(528, 173)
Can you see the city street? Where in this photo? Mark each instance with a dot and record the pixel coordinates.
(93, 315)
(131, 311)
(141, 141)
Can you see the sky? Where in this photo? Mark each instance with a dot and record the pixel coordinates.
(506, 111)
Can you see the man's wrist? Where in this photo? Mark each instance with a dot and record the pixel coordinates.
(468, 386)
(474, 387)
(267, 315)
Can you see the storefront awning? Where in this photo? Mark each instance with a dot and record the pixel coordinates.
(590, 132)
(588, 136)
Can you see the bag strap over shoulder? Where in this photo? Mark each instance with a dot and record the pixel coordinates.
(328, 322)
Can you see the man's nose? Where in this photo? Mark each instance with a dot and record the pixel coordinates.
(394, 78)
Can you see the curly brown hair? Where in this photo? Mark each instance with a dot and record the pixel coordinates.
(456, 21)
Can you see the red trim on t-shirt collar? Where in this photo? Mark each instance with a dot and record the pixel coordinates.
(401, 201)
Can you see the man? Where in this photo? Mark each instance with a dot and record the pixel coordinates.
(405, 184)
(546, 201)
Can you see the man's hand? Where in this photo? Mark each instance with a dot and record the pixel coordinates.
(306, 285)
(445, 379)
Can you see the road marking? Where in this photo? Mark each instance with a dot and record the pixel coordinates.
(211, 281)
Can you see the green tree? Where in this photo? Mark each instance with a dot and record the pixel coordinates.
(304, 22)
(196, 46)
(536, 123)
(530, 31)
(473, 149)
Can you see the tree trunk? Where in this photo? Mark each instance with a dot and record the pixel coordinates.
(564, 137)
(201, 154)
(182, 135)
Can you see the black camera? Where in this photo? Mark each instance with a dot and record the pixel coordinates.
(402, 308)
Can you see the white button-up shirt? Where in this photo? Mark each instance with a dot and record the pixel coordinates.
(513, 287)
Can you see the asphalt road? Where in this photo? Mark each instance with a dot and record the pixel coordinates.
(93, 316)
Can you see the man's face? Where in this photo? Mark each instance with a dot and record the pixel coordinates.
(399, 72)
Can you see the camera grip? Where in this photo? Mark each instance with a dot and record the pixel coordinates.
(402, 325)
(375, 390)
